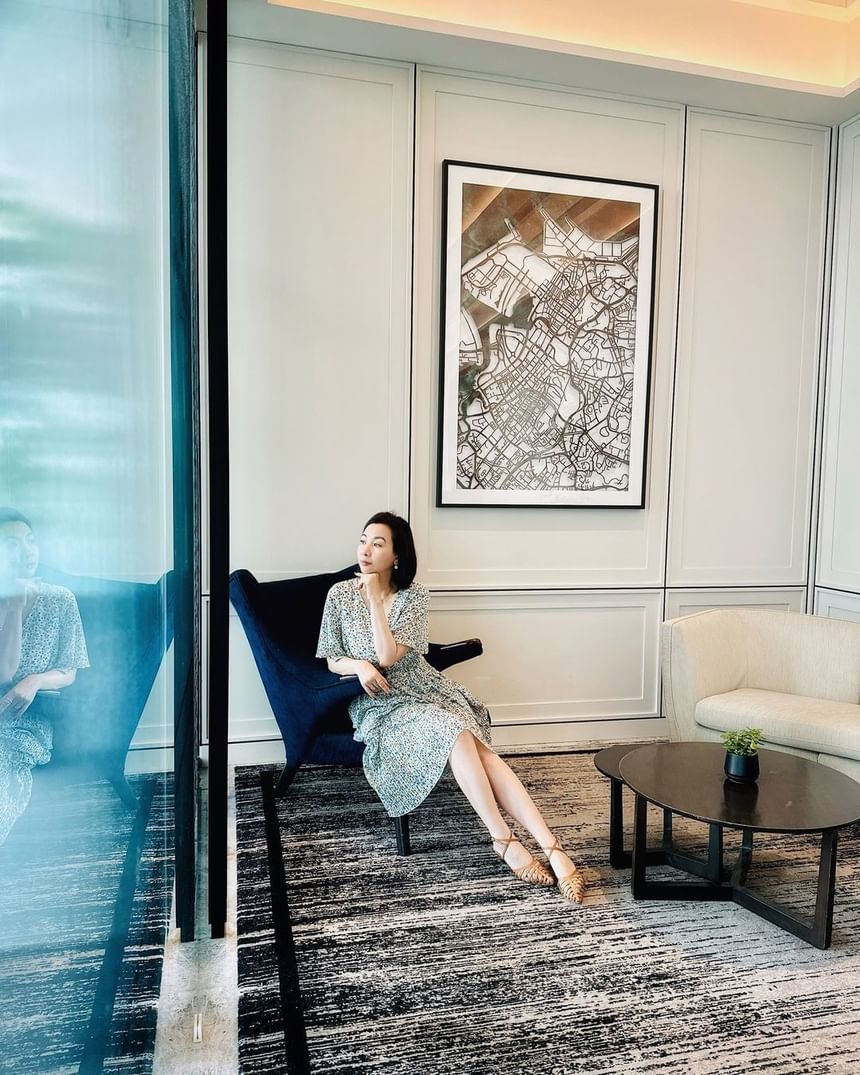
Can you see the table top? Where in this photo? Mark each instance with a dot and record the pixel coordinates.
(791, 795)
(608, 760)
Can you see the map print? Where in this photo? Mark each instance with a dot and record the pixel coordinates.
(548, 315)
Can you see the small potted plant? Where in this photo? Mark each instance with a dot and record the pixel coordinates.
(741, 763)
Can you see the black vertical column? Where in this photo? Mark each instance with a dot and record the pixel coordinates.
(219, 460)
(184, 404)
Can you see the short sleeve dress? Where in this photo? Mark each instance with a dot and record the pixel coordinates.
(408, 734)
(51, 637)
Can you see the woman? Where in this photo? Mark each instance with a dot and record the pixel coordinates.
(41, 647)
(412, 719)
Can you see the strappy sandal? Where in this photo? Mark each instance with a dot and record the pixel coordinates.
(533, 873)
(572, 885)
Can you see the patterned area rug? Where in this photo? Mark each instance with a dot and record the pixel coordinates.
(354, 961)
(85, 886)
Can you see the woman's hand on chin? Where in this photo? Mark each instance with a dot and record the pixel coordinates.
(371, 586)
(372, 680)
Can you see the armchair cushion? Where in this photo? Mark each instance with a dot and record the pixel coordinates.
(794, 720)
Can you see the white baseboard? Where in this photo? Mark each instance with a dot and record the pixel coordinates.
(149, 760)
(578, 735)
(251, 752)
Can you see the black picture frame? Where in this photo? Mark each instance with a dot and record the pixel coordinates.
(546, 344)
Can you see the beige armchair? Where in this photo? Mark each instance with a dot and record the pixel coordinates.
(796, 677)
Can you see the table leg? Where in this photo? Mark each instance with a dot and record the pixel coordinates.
(643, 889)
(818, 932)
(739, 874)
(715, 854)
(640, 847)
(709, 868)
(822, 925)
(618, 859)
(667, 829)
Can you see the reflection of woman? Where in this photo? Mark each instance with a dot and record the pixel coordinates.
(41, 646)
(411, 718)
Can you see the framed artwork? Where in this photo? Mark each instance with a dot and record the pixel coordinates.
(547, 308)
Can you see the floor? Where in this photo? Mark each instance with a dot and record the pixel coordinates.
(198, 1010)
(197, 1013)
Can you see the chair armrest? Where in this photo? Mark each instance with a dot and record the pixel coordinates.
(442, 656)
(312, 674)
(702, 654)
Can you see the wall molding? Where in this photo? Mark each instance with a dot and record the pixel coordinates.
(685, 602)
(839, 525)
(748, 351)
(467, 117)
(837, 604)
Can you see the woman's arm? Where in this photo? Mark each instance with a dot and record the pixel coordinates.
(388, 651)
(331, 646)
(19, 697)
(344, 666)
(371, 679)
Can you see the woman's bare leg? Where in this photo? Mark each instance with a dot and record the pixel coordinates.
(509, 793)
(470, 774)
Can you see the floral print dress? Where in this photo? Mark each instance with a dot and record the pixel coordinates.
(408, 734)
(52, 637)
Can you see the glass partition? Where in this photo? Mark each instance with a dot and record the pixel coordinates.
(89, 589)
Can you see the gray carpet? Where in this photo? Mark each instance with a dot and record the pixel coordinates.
(85, 888)
(442, 964)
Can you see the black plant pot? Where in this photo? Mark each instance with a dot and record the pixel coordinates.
(742, 768)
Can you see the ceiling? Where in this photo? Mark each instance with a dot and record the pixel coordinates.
(811, 45)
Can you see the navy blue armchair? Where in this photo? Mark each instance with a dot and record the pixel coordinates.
(282, 621)
(127, 627)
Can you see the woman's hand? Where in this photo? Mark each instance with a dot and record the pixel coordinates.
(370, 585)
(372, 680)
(18, 699)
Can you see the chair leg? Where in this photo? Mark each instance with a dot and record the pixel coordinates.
(285, 780)
(401, 826)
(122, 787)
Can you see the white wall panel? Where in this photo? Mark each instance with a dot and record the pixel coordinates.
(251, 715)
(839, 606)
(518, 125)
(568, 602)
(555, 657)
(155, 727)
(686, 602)
(320, 254)
(751, 285)
(839, 521)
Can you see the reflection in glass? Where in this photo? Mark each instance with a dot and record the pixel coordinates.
(41, 648)
(86, 552)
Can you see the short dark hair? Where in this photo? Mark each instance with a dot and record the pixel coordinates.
(12, 515)
(404, 547)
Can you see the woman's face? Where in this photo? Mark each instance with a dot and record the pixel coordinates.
(19, 553)
(376, 549)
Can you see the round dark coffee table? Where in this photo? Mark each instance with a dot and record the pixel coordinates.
(792, 795)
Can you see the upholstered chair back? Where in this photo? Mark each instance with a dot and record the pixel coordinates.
(127, 627)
